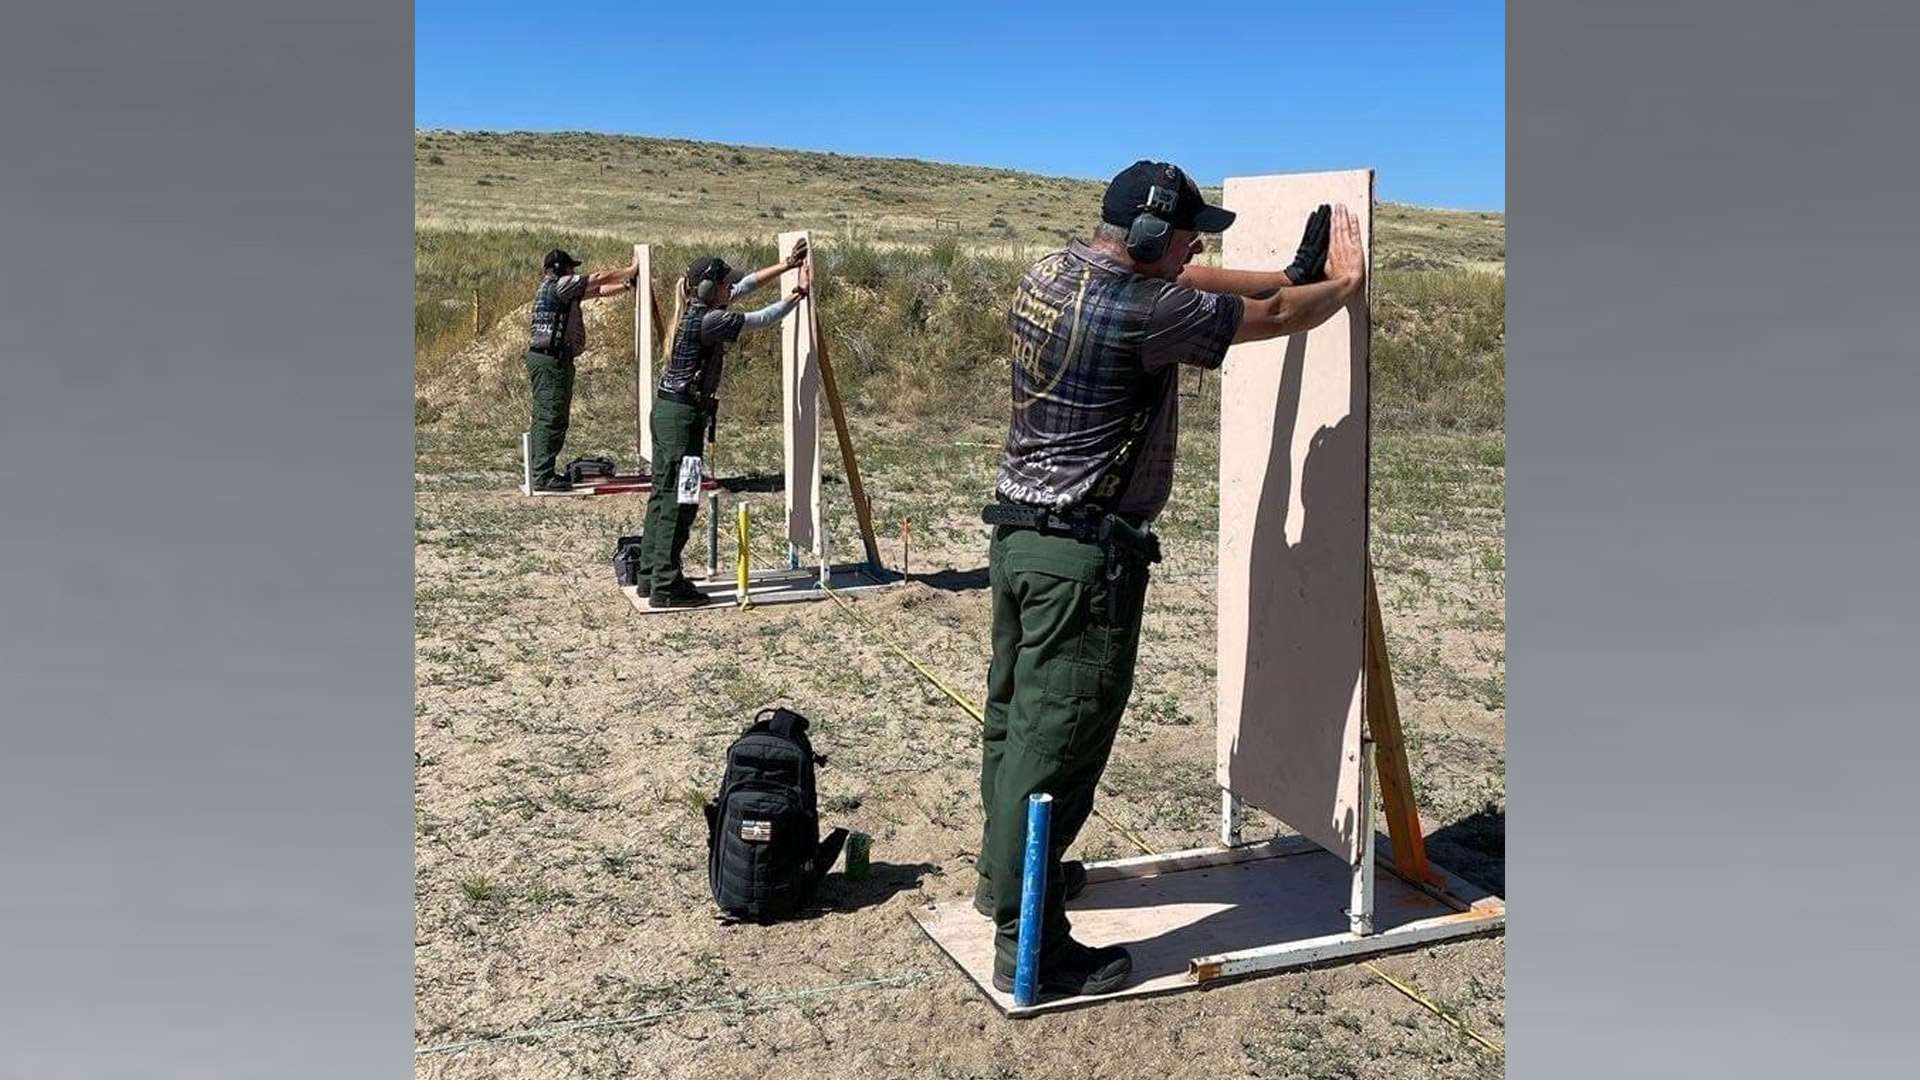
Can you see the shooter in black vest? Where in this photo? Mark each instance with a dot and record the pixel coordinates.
(559, 334)
(683, 402)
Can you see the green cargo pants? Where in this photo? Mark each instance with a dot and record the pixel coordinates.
(552, 380)
(678, 431)
(1065, 638)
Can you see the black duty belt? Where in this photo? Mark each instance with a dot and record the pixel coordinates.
(709, 406)
(562, 356)
(1114, 533)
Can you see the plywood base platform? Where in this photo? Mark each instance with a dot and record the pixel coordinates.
(1193, 918)
(777, 587)
(614, 485)
(617, 484)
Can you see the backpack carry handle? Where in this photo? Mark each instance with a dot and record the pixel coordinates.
(785, 723)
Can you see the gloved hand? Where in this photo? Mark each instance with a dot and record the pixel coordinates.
(798, 255)
(1310, 262)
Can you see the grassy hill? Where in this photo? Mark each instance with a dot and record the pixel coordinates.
(643, 189)
(918, 260)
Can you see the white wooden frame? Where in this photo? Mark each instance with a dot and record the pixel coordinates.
(781, 586)
(643, 335)
(800, 419)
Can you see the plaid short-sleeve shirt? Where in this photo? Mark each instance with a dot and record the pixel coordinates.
(1095, 402)
(700, 349)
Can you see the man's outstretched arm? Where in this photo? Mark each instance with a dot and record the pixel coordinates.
(1253, 284)
(612, 282)
(1309, 265)
(1294, 308)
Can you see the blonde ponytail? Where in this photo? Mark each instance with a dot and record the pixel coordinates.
(679, 309)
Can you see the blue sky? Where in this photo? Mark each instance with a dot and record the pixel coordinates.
(1416, 90)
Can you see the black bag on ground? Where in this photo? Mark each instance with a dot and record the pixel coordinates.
(588, 468)
(764, 852)
(626, 561)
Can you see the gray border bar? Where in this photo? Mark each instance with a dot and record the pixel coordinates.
(205, 566)
(1711, 575)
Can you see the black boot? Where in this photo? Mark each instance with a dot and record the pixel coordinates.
(680, 594)
(1074, 969)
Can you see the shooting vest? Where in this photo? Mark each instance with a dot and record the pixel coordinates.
(694, 366)
(550, 318)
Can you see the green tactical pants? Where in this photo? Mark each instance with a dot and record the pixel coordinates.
(552, 380)
(1065, 638)
(678, 432)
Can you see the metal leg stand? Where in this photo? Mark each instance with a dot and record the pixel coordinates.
(1232, 818)
(1360, 902)
(713, 535)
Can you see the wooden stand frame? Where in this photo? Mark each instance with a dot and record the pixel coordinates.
(1187, 915)
(650, 334)
(793, 582)
(1384, 745)
(620, 484)
(862, 509)
(775, 587)
(1247, 908)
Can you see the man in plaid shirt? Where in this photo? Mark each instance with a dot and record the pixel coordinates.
(1099, 332)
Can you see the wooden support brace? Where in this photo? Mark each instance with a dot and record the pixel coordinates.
(1390, 751)
(862, 512)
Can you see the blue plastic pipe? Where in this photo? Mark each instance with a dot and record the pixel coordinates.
(1033, 899)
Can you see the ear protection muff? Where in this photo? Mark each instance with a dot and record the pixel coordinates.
(703, 289)
(1148, 236)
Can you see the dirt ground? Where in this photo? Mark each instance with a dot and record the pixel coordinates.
(565, 743)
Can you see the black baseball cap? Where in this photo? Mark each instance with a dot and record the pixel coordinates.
(558, 260)
(1127, 195)
(711, 268)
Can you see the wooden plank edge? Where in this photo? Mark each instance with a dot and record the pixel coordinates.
(1213, 968)
(1172, 862)
(726, 595)
(1440, 883)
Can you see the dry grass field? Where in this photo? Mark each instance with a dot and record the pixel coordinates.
(564, 742)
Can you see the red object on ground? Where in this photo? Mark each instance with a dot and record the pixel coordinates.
(619, 485)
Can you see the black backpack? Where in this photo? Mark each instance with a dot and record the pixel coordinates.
(588, 468)
(626, 560)
(764, 852)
